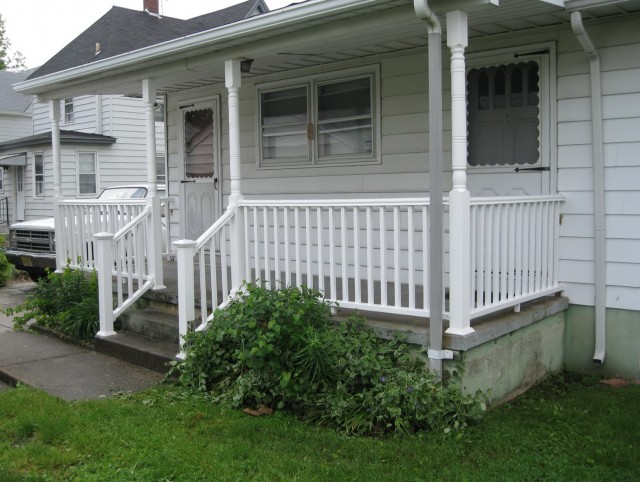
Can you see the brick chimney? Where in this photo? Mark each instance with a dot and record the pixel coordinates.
(152, 6)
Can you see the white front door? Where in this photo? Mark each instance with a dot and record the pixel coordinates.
(508, 147)
(200, 182)
(20, 201)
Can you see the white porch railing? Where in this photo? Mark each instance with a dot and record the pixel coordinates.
(514, 251)
(81, 219)
(370, 255)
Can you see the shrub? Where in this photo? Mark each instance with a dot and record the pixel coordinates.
(281, 349)
(6, 269)
(66, 303)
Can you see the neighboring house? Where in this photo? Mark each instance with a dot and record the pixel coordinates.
(15, 122)
(305, 134)
(102, 140)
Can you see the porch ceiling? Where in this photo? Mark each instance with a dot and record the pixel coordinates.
(381, 27)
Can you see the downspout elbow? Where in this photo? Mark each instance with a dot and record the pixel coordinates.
(425, 13)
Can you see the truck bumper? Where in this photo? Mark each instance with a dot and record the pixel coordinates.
(31, 262)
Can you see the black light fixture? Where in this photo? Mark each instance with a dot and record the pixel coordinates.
(245, 66)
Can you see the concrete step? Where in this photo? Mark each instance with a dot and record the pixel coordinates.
(139, 350)
(153, 322)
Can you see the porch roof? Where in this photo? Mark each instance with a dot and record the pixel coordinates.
(308, 34)
(66, 137)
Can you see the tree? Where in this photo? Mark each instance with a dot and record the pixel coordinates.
(8, 60)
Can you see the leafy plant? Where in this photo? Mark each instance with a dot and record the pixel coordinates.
(7, 270)
(281, 348)
(66, 303)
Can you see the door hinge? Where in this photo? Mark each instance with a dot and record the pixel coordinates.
(540, 169)
(310, 131)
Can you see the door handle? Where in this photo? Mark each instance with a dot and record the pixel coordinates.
(215, 183)
(540, 169)
(187, 181)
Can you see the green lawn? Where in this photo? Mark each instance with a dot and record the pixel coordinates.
(560, 431)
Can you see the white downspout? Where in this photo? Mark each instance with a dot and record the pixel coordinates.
(598, 184)
(436, 354)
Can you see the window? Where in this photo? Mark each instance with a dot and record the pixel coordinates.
(161, 170)
(87, 174)
(504, 111)
(38, 175)
(1, 177)
(322, 121)
(68, 110)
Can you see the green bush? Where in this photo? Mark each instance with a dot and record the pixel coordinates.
(66, 303)
(7, 270)
(281, 349)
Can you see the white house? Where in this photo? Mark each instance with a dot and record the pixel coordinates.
(102, 144)
(312, 144)
(15, 121)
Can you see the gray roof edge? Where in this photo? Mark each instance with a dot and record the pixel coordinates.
(66, 137)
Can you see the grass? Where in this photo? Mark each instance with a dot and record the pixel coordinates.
(569, 428)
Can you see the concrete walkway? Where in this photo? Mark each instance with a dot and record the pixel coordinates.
(61, 369)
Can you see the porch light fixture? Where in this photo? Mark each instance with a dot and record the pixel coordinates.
(245, 66)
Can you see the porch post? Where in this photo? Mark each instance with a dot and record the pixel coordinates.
(459, 199)
(54, 116)
(233, 81)
(104, 261)
(155, 251)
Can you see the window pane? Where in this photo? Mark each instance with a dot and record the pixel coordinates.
(284, 118)
(345, 137)
(87, 183)
(161, 169)
(39, 164)
(344, 99)
(198, 143)
(344, 118)
(87, 163)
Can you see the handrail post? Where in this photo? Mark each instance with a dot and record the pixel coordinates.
(104, 245)
(154, 240)
(459, 198)
(185, 250)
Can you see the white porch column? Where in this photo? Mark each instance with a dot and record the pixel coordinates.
(459, 200)
(54, 116)
(233, 81)
(155, 251)
(186, 290)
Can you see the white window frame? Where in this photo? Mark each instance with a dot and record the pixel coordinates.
(95, 173)
(547, 96)
(312, 82)
(35, 176)
(68, 117)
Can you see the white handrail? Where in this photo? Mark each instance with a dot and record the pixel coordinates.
(213, 230)
(301, 203)
(129, 226)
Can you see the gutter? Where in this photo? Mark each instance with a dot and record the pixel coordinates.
(436, 291)
(272, 22)
(598, 185)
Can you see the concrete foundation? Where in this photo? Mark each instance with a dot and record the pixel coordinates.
(622, 342)
(510, 353)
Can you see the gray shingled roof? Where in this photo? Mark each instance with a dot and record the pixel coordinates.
(66, 137)
(11, 101)
(122, 30)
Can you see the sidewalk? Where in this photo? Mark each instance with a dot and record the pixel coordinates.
(61, 369)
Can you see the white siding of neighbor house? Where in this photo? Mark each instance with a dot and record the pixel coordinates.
(14, 126)
(123, 162)
(404, 147)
